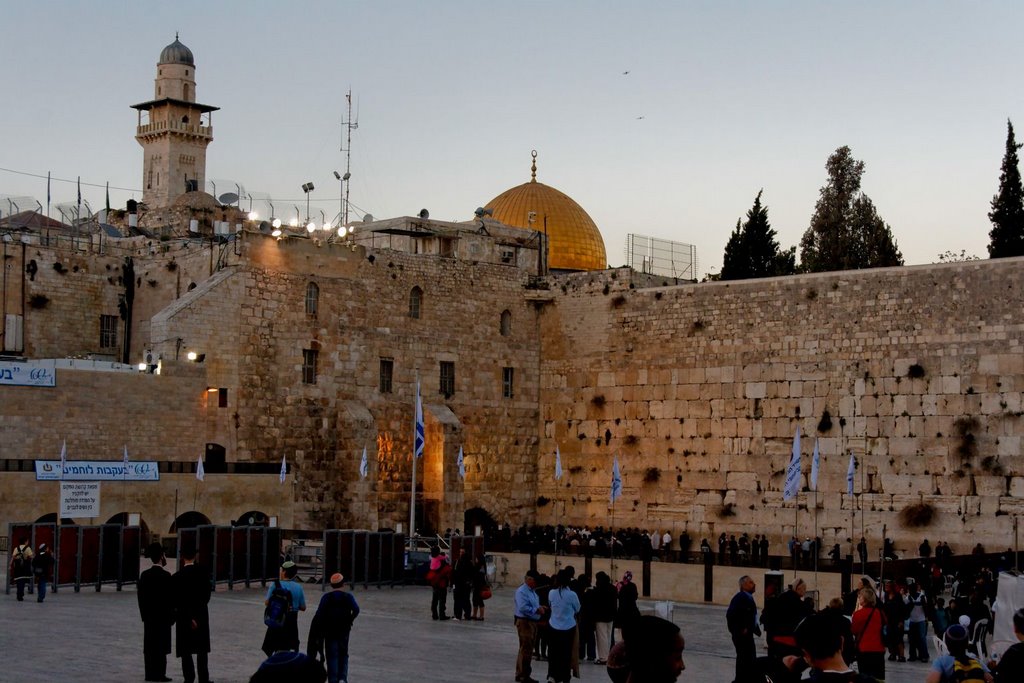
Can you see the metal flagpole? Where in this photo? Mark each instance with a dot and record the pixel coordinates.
(417, 444)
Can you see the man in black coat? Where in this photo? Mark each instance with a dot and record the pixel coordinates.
(191, 597)
(156, 606)
(741, 618)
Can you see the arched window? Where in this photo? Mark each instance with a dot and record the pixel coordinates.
(415, 302)
(312, 299)
(506, 323)
(185, 92)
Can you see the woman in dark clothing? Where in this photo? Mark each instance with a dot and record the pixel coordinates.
(627, 609)
(479, 584)
(604, 602)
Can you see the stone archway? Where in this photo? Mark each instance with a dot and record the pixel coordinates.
(187, 520)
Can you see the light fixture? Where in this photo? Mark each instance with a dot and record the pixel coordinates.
(311, 227)
(341, 231)
(211, 390)
(253, 215)
(192, 355)
(142, 367)
(307, 187)
(276, 232)
(276, 223)
(294, 222)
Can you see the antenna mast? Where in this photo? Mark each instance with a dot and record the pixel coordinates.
(347, 126)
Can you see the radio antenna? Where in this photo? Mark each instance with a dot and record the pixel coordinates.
(348, 124)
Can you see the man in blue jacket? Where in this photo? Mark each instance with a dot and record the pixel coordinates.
(741, 618)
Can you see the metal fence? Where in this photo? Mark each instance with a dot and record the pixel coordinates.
(235, 554)
(84, 555)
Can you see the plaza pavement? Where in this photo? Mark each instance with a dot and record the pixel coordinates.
(90, 636)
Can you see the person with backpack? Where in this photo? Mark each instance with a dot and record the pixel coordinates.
(20, 569)
(42, 568)
(285, 600)
(330, 629)
(958, 665)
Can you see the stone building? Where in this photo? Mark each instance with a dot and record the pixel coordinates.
(310, 348)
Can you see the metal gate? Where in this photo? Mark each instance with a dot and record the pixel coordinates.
(84, 555)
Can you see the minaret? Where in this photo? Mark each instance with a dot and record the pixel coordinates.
(175, 130)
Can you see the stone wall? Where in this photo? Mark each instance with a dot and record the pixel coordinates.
(699, 389)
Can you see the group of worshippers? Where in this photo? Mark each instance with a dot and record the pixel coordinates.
(181, 600)
(565, 620)
(28, 566)
(831, 640)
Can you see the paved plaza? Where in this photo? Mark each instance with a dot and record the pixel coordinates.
(90, 636)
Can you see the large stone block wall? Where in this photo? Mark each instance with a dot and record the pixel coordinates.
(254, 322)
(699, 389)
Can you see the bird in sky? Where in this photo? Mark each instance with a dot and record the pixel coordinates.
(639, 117)
(625, 73)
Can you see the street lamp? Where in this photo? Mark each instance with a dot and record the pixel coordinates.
(307, 188)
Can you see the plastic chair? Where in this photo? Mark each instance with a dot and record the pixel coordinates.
(977, 643)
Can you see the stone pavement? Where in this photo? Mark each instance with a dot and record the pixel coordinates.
(92, 636)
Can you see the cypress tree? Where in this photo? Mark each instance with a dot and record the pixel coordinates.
(1007, 215)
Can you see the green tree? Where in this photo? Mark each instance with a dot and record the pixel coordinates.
(1007, 215)
(752, 250)
(846, 232)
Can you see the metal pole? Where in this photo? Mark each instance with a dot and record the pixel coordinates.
(412, 499)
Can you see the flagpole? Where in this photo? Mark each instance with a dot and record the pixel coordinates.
(415, 437)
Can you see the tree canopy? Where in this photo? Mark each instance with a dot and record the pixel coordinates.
(846, 232)
(752, 250)
(1007, 235)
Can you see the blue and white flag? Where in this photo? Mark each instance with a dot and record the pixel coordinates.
(419, 437)
(284, 470)
(200, 472)
(616, 480)
(792, 486)
(462, 465)
(558, 464)
(814, 466)
(63, 457)
(364, 466)
(849, 474)
(126, 456)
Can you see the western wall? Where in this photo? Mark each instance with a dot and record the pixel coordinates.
(698, 389)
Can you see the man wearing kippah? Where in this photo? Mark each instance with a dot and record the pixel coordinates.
(285, 637)
(156, 606)
(332, 624)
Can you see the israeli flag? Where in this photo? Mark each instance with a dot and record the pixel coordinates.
(814, 467)
(849, 474)
(793, 471)
(558, 464)
(200, 472)
(420, 435)
(364, 466)
(462, 465)
(63, 457)
(284, 470)
(616, 480)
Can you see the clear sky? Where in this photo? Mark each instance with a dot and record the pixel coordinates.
(452, 96)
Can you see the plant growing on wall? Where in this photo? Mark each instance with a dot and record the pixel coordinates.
(917, 515)
(964, 427)
(38, 301)
(652, 475)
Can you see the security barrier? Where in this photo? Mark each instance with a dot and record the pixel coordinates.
(366, 557)
(84, 555)
(235, 554)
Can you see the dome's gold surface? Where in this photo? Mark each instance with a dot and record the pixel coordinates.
(574, 242)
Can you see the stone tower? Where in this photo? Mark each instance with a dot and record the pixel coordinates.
(174, 130)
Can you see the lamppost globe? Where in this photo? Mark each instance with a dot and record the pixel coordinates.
(341, 231)
(276, 223)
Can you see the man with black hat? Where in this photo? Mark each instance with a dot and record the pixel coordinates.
(192, 591)
(42, 567)
(156, 606)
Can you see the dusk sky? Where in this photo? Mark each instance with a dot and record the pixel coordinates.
(721, 99)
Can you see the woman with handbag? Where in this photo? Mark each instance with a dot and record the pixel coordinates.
(868, 627)
(481, 589)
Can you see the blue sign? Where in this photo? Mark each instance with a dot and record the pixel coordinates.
(28, 373)
(98, 470)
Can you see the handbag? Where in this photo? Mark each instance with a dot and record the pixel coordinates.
(485, 593)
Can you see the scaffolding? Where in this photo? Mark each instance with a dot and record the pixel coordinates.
(661, 257)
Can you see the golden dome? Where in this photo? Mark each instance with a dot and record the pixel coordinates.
(574, 242)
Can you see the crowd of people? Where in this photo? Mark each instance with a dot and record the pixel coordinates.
(566, 621)
(871, 625)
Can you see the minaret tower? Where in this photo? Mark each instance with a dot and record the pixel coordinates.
(174, 131)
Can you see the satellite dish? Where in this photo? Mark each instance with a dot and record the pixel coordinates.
(265, 227)
(228, 198)
(424, 214)
(368, 218)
